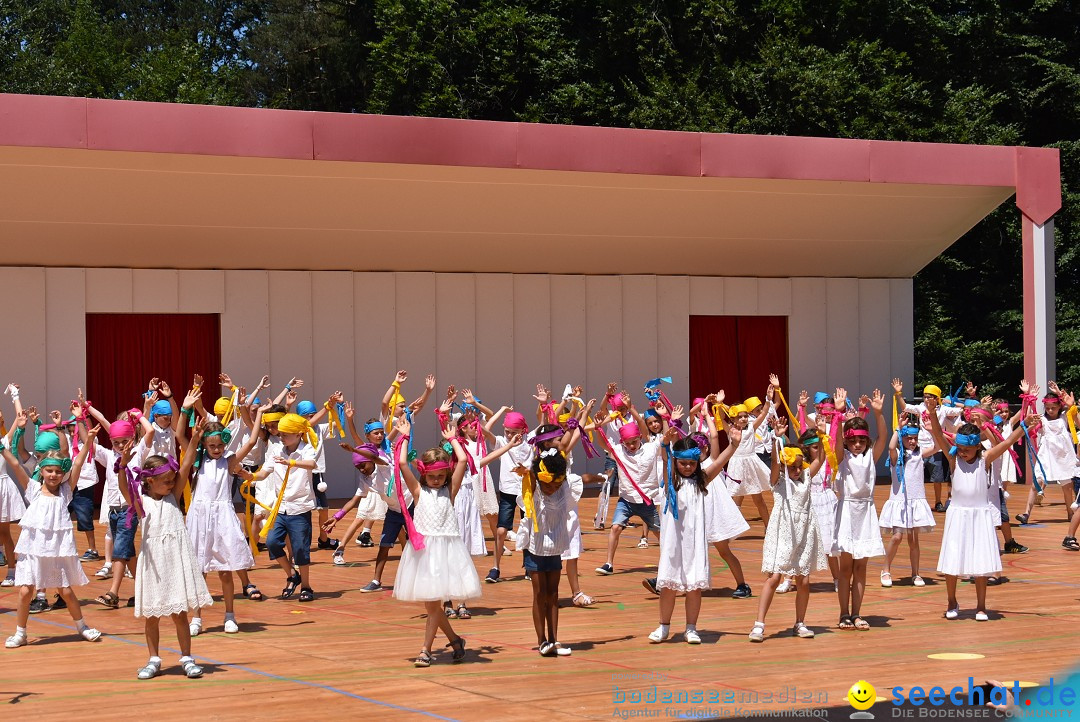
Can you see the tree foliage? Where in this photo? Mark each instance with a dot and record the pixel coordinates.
(958, 71)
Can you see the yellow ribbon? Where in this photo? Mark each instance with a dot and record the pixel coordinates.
(791, 416)
(527, 496)
(233, 398)
(335, 422)
(272, 416)
(1070, 416)
(830, 455)
(395, 399)
(895, 415)
(277, 504)
(790, 455)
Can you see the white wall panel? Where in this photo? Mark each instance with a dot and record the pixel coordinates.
(603, 314)
(706, 296)
(26, 346)
(455, 334)
(108, 290)
(495, 341)
(568, 334)
(332, 364)
(673, 334)
(202, 291)
(155, 291)
(640, 335)
(774, 296)
(874, 332)
(65, 335)
(415, 340)
(245, 329)
(842, 334)
(807, 364)
(374, 342)
(740, 296)
(902, 331)
(532, 340)
(290, 330)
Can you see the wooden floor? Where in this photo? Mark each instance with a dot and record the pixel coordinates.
(351, 653)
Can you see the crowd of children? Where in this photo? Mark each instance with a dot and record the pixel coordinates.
(176, 475)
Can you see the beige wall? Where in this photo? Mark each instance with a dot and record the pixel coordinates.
(498, 333)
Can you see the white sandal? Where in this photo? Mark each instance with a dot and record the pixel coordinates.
(150, 670)
(757, 634)
(195, 627)
(886, 578)
(586, 600)
(562, 651)
(803, 631)
(15, 640)
(917, 581)
(191, 670)
(90, 634)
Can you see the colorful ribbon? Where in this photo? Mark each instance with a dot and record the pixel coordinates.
(799, 422)
(1033, 457)
(336, 416)
(625, 472)
(415, 537)
(277, 504)
(528, 496)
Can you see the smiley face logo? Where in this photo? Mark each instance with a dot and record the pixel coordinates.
(862, 695)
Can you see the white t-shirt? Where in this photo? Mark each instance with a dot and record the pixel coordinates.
(88, 477)
(299, 494)
(642, 465)
(520, 455)
(322, 432)
(946, 415)
(164, 443)
(107, 458)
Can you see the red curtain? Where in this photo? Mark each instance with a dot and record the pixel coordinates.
(737, 354)
(125, 350)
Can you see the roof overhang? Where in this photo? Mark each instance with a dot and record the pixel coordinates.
(146, 185)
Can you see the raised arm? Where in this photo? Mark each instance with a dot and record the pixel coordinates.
(993, 453)
(84, 449)
(393, 390)
(405, 428)
(494, 419)
(935, 430)
(429, 385)
(734, 438)
(877, 403)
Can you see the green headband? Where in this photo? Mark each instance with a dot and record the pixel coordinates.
(64, 464)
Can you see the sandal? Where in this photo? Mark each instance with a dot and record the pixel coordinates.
(191, 670)
(547, 649)
(861, 624)
(450, 613)
(886, 578)
(846, 622)
(252, 592)
(290, 586)
(306, 595)
(150, 670)
(463, 613)
(458, 645)
(424, 659)
(581, 599)
(561, 651)
(110, 600)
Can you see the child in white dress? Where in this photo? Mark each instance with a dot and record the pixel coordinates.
(793, 546)
(216, 533)
(907, 512)
(746, 473)
(969, 546)
(169, 581)
(435, 564)
(823, 499)
(684, 544)
(46, 548)
(858, 536)
(12, 508)
(1055, 454)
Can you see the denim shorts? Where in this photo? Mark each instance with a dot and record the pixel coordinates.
(82, 506)
(393, 523)
(320, 496)
(535, 563)
(123, 537)
(1001, 506)
(624, 510)
(934, 468)
(507, 505)
(298, 528)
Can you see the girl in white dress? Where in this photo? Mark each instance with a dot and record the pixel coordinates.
(372, 507)
(723, 520)
(858, 536)
(12, 507)
(747, 474)
(168, 580)
(823, 499)
(906, 513)
(684, 545)
(46, 549)
(216, 533)
(435, 564)
(1055, 454)
(969, 544)
(793, 546)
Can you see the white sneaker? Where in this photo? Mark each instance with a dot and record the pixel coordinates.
(659, 634)
(643, 544)
(339, 557)
(105, 572)
(784, 587)
(195, 627)
(90, 634)
(982, 617)
(15, 640)
(508, 552)
(8, 582)
(691, 636)
(803, 631)
(952, 613)
(128, 574)
(757, 634)
(231, 627)
(918, 581)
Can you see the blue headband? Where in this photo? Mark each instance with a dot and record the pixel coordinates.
(971, 403)
(373, 426)
(997, 419)
(820, 397)
(305, 407)
(651, 413)
(161, 408)
(968, 440)
(690, 454)
(909, 431)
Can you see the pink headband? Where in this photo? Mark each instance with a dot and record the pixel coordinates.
(1003, 406)
(629, 431)
(1051, 400)
(515, 420)
(856, 432)
(121, 430)
(433, 466)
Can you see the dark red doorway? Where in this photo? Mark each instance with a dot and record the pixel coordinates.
(737, 354)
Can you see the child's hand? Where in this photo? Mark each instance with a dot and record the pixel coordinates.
(197, 381)
(877, 401)
(401, 376)
(290, 398)
(780, 426)
(822, 427)
(197, 431)
(224, 380)
(677, 412)
(864, 401)
(165, 390)
(154, 383)
(80, 397)
(191, 398)
(515, 440)
(296, 383)
(971, 389)
(264, 382)
(1068, 398)
(734, 435)
(447, 404)
(329, 525)
(20, 419)
(578, 391)
(898, 387)
(338, 397)
(267, 405)
(612, 388)
(429, 382)
(54, 416)
(32, 414)
(840, 397)
(451, 392)
(774, 381)
(543, 395)
(1024, 386)
(720, 396)
(659, 408)
(1032, 420)
(279, 459)
(466, 395)
(402, 425)
(804, 398)
(710, 399)
(350, 412)
(449, 433)
(671, 435)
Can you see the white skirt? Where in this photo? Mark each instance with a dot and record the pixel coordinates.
(441, 570)
(899, 514)
(969, 545)
(723, 520)
(488, 500)
(168, 579)
(12, 505)
(48, 572)
(857, 530)
(472, 530)
(824, 502)
(218, 538)
(372, 507)
(747, 474)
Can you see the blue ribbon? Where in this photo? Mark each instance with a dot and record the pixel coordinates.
(671, 503)
(652, 385)
(1033, 458)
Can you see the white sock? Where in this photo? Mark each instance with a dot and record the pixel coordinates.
(197, 621)
(81, 625)
(40, 595)
(186, 658)
(20, 631)
(665, 628)
(156, 661)
(691, 627)
(376, 581)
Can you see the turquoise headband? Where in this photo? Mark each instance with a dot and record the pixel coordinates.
(688, 454)
(909, 431)
(968, 440)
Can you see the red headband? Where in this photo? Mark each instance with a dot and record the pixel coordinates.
(433, 466)
(856, 432)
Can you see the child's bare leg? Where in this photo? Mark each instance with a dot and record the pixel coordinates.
(434, 614)
(26, 593)
(73, 606)
(834, 567)
(802, 597)
(767, 595)
(950, 590)
(858, 585)
(894, 547)
(693, 607)
(228, 591)
(667, 604)
(613, 542)
(183, 633)
(763, 511)
(152, 627)
(724, 549)
(572, 576)
(980, 594)
(913, 551)
(538, 611)
(553, 603)
(844, 590)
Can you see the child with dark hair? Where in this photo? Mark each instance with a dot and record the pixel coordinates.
(907, 512)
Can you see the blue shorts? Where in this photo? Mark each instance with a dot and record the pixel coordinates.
(392, 525)
(934, 468)
(82, 506)
(123, 537)
(507, 505)
(298, 528)
(1001, 507)
(320, 496)
(624, 510)
(534, 563)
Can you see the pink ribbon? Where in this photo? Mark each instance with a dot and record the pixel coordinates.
(1027, 406)
(549, 411)
(622, 467)
(802, 419)
(415, 537)
(993, 431)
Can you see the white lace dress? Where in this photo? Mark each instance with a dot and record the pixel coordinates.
(793, 543)
(12, 505)
(1056, 452)
(747, 474)
(969, 545)
(168, 578)
(823, 499)
(723, 520)
(443, 569)
(45, 553)
(684, 548)
(216, 533)
(856, 524)
(907, 507)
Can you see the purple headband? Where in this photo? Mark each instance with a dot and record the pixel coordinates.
(142, 474)
(548, 436)
(358, 459)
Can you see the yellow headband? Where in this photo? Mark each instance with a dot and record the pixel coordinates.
(791, 455)
(931, 389)
(735, 410)
(271, 417)
(297, 424)
(752, 403)
(563, 418)
(222, 406)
